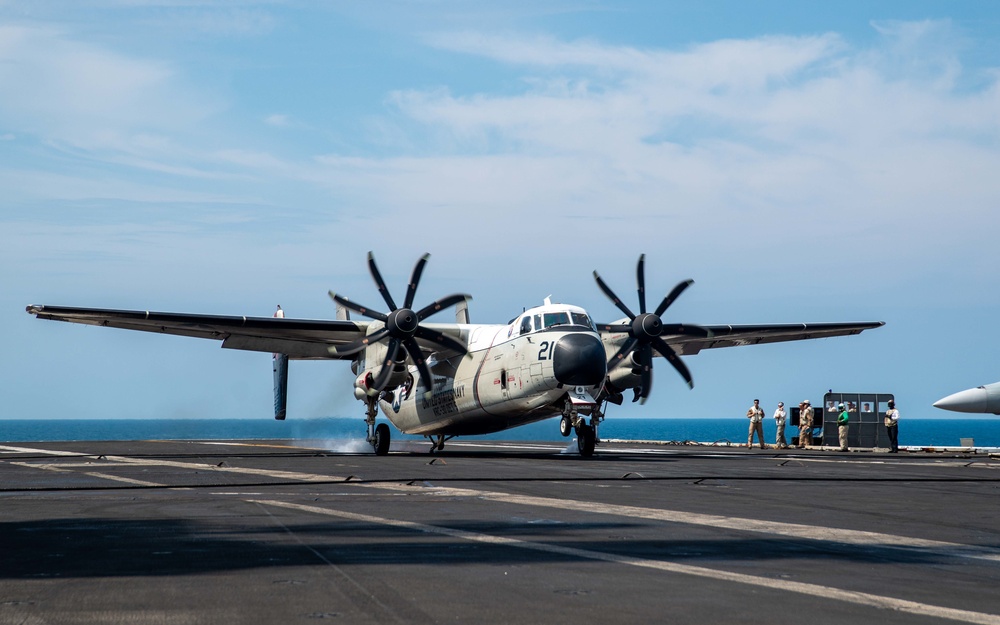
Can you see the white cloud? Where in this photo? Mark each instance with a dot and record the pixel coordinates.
(63, 89)
(277, 119)
(777, 137)
(782, 137)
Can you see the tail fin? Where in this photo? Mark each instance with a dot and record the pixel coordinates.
(462, 312)
(280, 364)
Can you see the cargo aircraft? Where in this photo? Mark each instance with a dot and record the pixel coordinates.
(443, 380)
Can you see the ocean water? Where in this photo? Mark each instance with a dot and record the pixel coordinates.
(985, 432)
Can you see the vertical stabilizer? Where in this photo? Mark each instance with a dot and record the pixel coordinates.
(462, 312)
(342, 313)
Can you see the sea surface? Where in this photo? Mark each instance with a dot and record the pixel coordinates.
(946, 432)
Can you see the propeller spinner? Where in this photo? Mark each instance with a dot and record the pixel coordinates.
(402, 326)
(645, 329)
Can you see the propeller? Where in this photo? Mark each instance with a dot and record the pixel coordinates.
(402, 326)
(645, 329)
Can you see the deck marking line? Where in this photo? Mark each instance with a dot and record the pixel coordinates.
(795, 530)
(127, 480)
(811, 590)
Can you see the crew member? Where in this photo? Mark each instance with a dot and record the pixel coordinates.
(805, 424)
(779, 422)
(892, 425)
(842, 420)
(756, 416)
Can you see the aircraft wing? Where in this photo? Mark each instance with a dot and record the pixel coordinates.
(734, 336)
(297, 338)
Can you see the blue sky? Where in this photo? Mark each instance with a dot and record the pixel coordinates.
(801, 162)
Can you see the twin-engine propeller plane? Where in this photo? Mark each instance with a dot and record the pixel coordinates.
(443, 380)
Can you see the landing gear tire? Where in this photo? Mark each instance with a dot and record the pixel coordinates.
(381, 442)
(585, 440)
(565, 426)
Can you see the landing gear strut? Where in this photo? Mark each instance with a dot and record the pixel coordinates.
(378, 436)
(437, 441)
(570, 420)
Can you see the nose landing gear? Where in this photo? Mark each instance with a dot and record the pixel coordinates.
(586, 434)
(586, 439)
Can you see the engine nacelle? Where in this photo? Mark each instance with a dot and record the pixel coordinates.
(626, 374)
(364, 385)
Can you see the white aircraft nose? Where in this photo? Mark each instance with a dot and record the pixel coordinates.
(970, 400)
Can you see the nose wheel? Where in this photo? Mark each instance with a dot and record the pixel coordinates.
(566, 426)
(586, 438)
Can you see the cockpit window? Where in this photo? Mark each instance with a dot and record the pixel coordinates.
(526, 325)
(547, 320)
(581, 319)
(555, 319)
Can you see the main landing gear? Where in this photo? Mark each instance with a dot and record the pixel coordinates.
(378, 436)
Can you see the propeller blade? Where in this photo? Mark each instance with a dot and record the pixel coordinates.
(358, 308)
(411, 289)
(613, 327)
(643, 340)
(356, 346)
(646, 375)
(622, 352)
(669, 299)
(668, 352)
(614, 298)
(441, 304)
(418, 359)
(382, 288)
(640, 280)
(441, 339)
(686, 329)
(390, 359)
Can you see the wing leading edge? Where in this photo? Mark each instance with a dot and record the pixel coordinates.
(299, 339)
(739, 335)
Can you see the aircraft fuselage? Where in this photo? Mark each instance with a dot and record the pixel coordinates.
(513, 374)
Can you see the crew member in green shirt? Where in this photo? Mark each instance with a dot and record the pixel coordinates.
(842, 420)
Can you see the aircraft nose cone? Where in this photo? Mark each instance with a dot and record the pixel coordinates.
(970, 400)
(579, 360)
